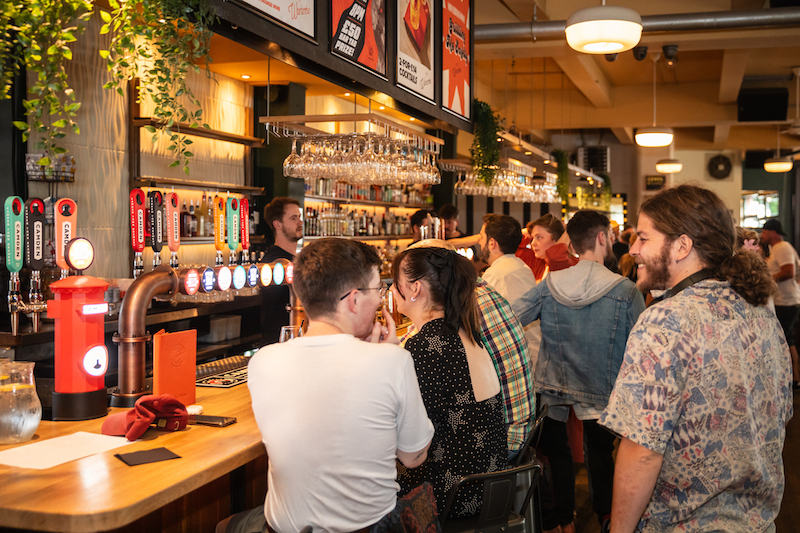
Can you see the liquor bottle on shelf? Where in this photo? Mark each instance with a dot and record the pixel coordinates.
(192, 220)
(201, 216)
(185, 221)
(210, 215)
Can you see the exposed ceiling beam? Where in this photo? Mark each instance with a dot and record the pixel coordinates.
(734, 63)
(721, 133)
(624, 135)
(584, 73)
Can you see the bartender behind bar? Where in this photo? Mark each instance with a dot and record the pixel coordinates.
(282, 215)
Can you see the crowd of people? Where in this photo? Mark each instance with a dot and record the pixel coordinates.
(682, 403)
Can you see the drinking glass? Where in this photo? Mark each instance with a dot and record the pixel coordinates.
(291, 165)
(290, 332)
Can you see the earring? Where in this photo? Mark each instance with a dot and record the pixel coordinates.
(413, 298)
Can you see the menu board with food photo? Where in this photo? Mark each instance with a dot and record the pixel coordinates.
(297, 14)
(414, 46)
(359, 32)
(456, 60)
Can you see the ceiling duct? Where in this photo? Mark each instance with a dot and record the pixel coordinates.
(718, 20)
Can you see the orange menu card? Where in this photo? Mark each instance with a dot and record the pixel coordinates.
(174, 359)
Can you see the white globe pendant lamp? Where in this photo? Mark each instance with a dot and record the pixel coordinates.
(604, 29)
(669, 166)
(654, 137)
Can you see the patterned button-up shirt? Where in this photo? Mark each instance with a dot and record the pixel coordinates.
(503, 337)
(706, 382)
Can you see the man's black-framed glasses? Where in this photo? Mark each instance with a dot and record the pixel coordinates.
(383, 287)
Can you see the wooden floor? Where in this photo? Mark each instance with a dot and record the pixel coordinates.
(788, 520)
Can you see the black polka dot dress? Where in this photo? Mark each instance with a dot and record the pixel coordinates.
(470, 436)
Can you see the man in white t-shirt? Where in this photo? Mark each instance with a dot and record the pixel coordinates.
(783, 263)
(337, 406)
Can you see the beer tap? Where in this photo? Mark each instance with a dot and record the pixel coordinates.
(66, 217)
(137, 200)
(14, 237)
(232, 216)
(173, 228)
(219, 229)
(244, 226)
(156, 203)
(34, 258)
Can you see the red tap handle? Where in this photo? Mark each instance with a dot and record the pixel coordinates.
(156, 200)
(66, 222)
(173, 222)
(244, 223)
(137, 200)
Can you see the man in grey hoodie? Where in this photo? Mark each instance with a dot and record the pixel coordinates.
(586, 314)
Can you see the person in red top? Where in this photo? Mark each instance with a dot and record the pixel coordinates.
(545, 247)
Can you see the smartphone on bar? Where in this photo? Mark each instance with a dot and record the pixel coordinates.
(208, 420)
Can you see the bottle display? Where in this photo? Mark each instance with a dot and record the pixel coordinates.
(330, 221)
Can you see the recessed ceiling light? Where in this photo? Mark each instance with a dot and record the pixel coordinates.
(347, 94)
(382, 107)
(528, 153)
(412, 119)
(546, 161)
(245, 76)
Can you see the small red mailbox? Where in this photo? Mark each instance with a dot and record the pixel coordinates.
(81, 357)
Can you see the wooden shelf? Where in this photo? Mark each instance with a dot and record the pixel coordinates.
(350, 201)
(361, 237)
(155, 181)
(187, 129)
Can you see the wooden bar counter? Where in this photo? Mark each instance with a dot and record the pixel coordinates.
(221, 470)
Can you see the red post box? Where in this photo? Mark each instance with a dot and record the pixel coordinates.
(81, 357)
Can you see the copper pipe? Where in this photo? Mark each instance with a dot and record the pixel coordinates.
(132, 337)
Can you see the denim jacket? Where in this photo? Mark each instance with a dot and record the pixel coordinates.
(586, 314)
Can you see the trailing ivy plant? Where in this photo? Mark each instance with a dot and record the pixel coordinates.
(485, 150)
(35, 36)
(606, 193)
(174, 36)
(562, 173)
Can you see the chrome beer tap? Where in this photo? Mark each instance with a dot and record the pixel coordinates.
(156, 203)
(173, 228)
(14, 237)
(137, 201)
(232, 216)
(34, 258)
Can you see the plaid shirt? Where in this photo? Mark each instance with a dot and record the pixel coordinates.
(503, 337)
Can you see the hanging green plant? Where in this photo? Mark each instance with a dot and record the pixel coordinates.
(35, 36)
(562, 173)
(174, 36)
(485, 149)
(606, 192)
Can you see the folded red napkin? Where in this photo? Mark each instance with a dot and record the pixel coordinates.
(169, 413)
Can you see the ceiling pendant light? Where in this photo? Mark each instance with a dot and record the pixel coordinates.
(778, 164)
(654, 137)
(604, 29)
(669, 166)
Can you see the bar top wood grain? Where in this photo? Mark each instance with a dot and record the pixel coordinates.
(100, 492)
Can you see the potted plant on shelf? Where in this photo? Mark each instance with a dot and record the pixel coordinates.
(562, 174)
(35, 36)
(485, 150)
(160, 41)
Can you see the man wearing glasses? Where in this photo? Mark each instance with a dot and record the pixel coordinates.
(337, 406)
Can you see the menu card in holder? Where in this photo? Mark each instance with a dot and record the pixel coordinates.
(174, 360)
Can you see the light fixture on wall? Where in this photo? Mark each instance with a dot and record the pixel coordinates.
(654, 137)
(669, 166)
(778, 164)
(604, 29)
